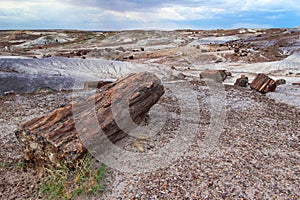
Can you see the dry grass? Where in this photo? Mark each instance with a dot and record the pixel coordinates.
(64, 183)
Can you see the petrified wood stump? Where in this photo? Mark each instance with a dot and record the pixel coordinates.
(56, 137)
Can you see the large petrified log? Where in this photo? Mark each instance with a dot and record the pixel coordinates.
(56, 137)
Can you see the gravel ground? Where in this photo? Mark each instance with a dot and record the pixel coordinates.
(19, 182)
(255, 157)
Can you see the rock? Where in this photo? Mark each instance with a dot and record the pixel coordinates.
(216, 75)
(179, 76)
(47, 56)
(220, 60)
(11, 92)
(236, 50)
(58, 137)
(242, 81)
(241, 51)
(280, 82)
(120, 49)
(95, 84)
(7, 48)
(228, 73)
(296, 84)
(138, 146)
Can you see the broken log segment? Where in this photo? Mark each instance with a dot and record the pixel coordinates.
(55, 138)
(296, 84)
(263, 83)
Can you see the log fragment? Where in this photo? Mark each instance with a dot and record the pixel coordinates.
(56, 137)
(263, 83)
(296, 84)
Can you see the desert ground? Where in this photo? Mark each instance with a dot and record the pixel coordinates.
(255, 153)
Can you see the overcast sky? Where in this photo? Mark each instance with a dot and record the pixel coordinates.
(152, 14)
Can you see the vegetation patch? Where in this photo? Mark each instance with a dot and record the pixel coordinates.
(64, 183)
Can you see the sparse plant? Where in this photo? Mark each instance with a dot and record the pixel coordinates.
(65, 183)
(3, 165)
(20, 164)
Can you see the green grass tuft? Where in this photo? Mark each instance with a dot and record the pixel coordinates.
(64, 183)
(3, 165)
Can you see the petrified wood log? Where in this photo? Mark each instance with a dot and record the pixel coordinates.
(263, 83)
(56, 137)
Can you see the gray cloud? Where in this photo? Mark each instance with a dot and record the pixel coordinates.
(135, 5)
(149, 5)
(154, 14)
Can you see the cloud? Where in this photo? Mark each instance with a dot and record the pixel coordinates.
(131, 5)
(152, 5)
(154, 14)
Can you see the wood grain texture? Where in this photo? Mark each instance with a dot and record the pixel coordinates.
(55, 137)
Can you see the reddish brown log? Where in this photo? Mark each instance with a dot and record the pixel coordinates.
(263, 83)
(56, 137)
